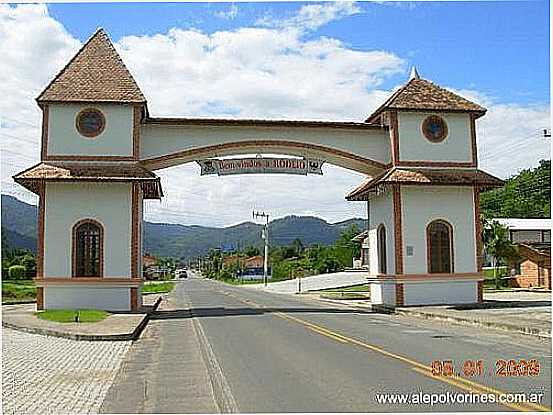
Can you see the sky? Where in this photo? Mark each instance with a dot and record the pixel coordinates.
(331, 61)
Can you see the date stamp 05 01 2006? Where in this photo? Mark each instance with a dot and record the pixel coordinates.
(472, 368)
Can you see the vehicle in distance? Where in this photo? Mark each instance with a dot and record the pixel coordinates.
(181, 273)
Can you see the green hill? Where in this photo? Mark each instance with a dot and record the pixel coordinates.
(184, 241)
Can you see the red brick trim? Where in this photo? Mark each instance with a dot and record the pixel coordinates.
(135, 232)
(44, 141)
(480, 291)
(425, 163)
(394, 137)
(428, 247)
(105, 281)
(399, 295)
(150, 163)
(350, 125)
(74, 248)
(88, 158)
(472, 121)
(137, 116)
(477, 229)
(40, 298)
(40, 240)
(134, 299)
(470, 276)
(398, 233)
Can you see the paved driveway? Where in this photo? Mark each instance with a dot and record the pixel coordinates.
(316, 282)
(43, 374)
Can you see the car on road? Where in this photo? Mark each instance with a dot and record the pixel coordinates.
(181, 273)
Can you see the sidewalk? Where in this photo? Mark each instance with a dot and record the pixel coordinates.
(116, 327)
(522, 312)
(166, 371)
(515, 311)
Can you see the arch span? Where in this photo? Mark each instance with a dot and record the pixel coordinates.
(355, 146)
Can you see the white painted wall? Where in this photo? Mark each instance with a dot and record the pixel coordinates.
(414, 146)
(382, 212)
(383, 293)
(450, 292)
(115, 140)
(66, 204)
(158, 140)
(423, 204)
(94, 297)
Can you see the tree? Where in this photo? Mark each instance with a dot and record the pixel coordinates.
(499, 246)
(252, 251)
(345, 249)
(298, 247)
(526, 195)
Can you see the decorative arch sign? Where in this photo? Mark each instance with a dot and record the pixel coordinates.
(261, 165)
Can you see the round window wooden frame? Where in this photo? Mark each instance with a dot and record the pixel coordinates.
(102, 118)
(425, 123)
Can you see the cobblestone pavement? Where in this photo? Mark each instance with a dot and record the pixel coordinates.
(42, 374)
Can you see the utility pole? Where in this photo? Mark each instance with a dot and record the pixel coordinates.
(265, 236)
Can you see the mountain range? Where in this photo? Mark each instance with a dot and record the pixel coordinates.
(19, 224)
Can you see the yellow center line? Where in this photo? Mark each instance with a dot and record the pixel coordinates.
(423, 369)
(328, 335)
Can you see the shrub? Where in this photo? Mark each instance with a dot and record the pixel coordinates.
(17, 272)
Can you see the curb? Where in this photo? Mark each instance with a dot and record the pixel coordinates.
(88, 337)
(18, 302)
(530, 331)
(221, 389)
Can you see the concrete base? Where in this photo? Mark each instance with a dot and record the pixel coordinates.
(398, 291)
(92, 297)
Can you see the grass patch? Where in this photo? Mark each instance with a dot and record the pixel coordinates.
(158, 287)
(18, 290)
(501, 271)
(344, 295)
(351, 288)
(237, 281)
(68, 316)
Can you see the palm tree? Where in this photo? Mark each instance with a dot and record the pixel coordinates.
(499, 246)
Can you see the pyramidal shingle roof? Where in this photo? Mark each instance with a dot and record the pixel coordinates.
(420, 94)
(95, 74)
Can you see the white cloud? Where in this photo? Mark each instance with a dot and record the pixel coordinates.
(312, 16)
(33, 48)
(265, 72)
(229, 14)
(510, 136)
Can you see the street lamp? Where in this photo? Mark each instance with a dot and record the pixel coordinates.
(265, 237)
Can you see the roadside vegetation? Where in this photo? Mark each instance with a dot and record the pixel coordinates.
(287, 262)
(14, 291)
(73, 316)
(525, 195)
(151, 287)
(18, 270)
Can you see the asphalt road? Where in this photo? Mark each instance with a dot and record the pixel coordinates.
(281, 353)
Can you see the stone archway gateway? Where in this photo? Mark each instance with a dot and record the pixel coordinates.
(100, 148)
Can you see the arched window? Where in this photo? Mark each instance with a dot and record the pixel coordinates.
(439, 240)
(381, 246)
(88, 249)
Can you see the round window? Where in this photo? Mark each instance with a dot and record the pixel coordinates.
(90, 122)
(434, 128)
